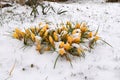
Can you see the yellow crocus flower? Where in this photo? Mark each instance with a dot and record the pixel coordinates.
(33, 37)
(77, 26)
(90, 35)
(19, 33)
(96, 38)
(55, 36)
(32, 29)
(61, 45)
(46, 26)
(45, 34)
(38, 47)
(69, 39)
(83, 27)
(51, 41)
(64, 28)
(23, 34)
(64, 37)
(37, 29)
(15, 35)
(27, 32)
(79, 50)
(59, 30)
(79, 35)
(61, 51)
(74, 31)
(67, 46)
(47, 48)
(76, 40)
(37, 41)
(83, 24)
(68, 23)
(42, 31)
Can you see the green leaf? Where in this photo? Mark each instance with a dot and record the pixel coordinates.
(96, 31)
(106, 42)
(61, 12)
(56, 61)
(67, 57)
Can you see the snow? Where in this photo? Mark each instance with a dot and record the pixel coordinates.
(102, 63)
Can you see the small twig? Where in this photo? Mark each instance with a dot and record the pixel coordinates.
(11, 70)
(7, 78)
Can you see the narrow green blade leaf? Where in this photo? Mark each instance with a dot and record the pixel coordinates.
(56, 61)
(96, 31)
(106, 43)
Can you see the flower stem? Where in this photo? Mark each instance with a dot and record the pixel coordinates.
(56, 61)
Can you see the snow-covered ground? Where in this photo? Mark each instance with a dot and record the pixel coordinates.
(103, 63)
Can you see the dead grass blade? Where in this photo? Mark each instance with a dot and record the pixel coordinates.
(13, 67)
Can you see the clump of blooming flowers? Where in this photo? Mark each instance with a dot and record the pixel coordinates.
(66, 40)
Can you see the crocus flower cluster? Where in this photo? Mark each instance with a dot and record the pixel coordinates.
(67, 39)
